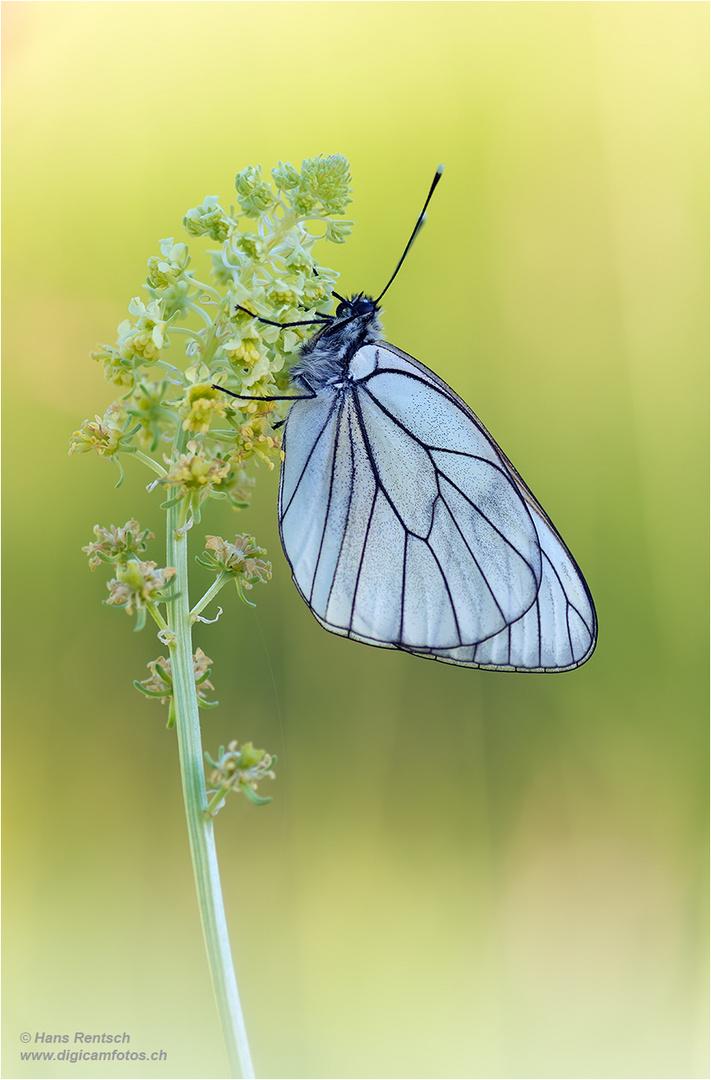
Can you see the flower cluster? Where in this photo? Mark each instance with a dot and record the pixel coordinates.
(139, 586)
(187, 334)
(192, 332)
(238, 770)
(195, 475)
(160, 683)
(107, 435)
(200, 404)
(117, 544)
(239, 561)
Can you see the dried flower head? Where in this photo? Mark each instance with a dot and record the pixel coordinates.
(138, 586)
(117, 544)
(241, 561)
(160, 682)
(238, 770)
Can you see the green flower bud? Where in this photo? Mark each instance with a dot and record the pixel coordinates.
(200, 404)
(280, 294)
(253, 246)
(165, 269)
(223, 272)
(145, 339)
(324, 181)
(338, 231)
(195, 472)
(117, 369)
(285, 176)
(255, 195)
(209, 219)
(148, 407)
(315, 293)
(176, 300)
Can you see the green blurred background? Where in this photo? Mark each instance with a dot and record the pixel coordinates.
(462, 874)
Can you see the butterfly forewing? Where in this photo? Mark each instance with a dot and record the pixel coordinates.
(406, 527)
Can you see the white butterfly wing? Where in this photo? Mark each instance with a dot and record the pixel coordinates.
(556, 634)
(406, 527)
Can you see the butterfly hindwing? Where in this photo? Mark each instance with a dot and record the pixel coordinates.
(557, 633)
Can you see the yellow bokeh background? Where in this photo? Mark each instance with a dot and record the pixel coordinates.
(462, 874)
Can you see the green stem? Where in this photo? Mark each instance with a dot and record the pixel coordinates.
(200, 829)
(211, 593)
(153, 610)
(212, 340)
(202, 287)
(215, 801)
(186, 329)
(153, 465)
(200, 311)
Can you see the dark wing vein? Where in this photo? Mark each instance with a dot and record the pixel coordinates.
(440, 385)
(328, 503)
(475, 457)
(444, 579)
(308, 459)
(475, 560)
(446, 449)
(348, 512)
(362, 556)
(366, 442)
(567, 598)
(402, 586)
(540, 636)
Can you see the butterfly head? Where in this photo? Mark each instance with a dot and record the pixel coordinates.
(358, 304)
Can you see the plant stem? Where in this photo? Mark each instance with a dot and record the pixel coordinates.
(212, 340)
(211, 593)
(200, 830)
(154, 465)
(158, 618)
(216, 799)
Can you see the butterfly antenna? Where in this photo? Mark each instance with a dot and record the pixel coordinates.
(415, 231)
(271, 322)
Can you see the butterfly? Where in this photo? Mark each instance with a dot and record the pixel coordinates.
(404, 523)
